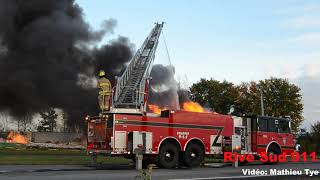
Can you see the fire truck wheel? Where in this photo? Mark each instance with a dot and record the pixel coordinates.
(273, 150)
(169, 156)
(193, 156)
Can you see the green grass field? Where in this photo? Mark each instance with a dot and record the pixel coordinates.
(15, 154)
(20, 155)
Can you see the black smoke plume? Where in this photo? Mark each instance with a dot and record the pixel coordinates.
(48, 58)
(164, 90)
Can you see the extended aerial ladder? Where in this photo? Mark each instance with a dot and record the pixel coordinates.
(130, 92)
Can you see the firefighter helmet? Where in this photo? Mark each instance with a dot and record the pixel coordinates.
(102, 73)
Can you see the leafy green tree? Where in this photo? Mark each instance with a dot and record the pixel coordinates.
(306, 143)
(48, 122)
(280, 98)
(315, 133)
(220, 96)
(248, 99)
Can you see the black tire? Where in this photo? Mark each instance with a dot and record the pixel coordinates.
(273, 150)
(193, 156)
(168, 156)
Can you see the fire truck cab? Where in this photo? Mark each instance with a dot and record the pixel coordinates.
(264, 134)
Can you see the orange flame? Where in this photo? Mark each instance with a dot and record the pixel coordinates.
(186, 106)
(192, 107)
(155, 109)
(14, 137)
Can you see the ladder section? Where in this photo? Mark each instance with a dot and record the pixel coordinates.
(130, 89)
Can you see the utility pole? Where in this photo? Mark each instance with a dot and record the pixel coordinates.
(261, 101)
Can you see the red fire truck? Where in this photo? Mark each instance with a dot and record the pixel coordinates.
(176, 137)
(185, 138)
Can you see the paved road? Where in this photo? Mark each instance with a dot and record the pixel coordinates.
(127, 172)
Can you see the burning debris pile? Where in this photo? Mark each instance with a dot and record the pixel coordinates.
(48, 58)
(165, 92)
(15, 137)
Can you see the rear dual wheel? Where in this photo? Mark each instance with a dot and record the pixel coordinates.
(193, 156)
(169, 156)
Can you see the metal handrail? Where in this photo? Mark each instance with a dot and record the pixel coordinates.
(134, 89)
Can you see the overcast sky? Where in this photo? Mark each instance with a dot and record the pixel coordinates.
(232, 40)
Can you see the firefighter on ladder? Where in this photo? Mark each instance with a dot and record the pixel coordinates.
(105, 90)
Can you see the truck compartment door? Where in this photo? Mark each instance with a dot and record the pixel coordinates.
(142, 140)
(120, 144)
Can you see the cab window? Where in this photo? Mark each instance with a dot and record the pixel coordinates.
(284, 126)
(267, 124)
(262, 124)
(273, 125)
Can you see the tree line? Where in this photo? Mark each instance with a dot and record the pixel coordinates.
(280, 98)
(46, 123)
(310, 142)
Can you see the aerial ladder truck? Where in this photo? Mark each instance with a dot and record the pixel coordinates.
(175, 137)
